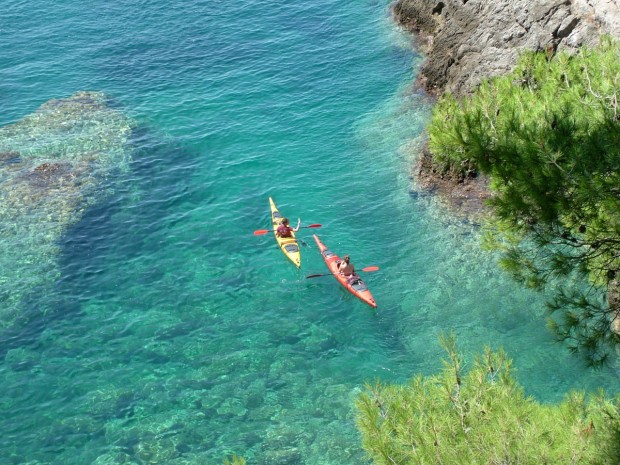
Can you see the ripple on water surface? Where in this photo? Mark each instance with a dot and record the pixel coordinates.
(167, 332)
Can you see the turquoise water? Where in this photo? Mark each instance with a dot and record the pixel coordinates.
(154, 327)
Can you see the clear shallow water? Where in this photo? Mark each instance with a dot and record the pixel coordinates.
(173, 335)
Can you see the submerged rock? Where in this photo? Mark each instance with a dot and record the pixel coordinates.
(53, 164)
(19, 359)
(7, 158)
(288, 456)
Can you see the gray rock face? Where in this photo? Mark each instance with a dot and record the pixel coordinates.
(466, 41)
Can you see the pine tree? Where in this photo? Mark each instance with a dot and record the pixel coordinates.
(483, 417)
(548, 137)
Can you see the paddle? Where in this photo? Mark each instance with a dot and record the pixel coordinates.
(367, 269)
(260, 232)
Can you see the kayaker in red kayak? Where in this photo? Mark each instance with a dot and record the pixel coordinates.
(346, 268)
(353, 283)
(284, 229)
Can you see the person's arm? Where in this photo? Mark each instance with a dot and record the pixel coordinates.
(298, 224)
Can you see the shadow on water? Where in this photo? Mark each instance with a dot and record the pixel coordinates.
(115, 230)
(161, 176)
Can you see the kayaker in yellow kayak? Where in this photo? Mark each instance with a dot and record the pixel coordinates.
(285, 230)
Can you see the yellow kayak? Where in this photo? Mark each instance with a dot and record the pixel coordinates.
(288, 245)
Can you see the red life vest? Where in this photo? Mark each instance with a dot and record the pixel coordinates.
(284, 231)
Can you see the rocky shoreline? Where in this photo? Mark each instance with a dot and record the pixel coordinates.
(467, 41)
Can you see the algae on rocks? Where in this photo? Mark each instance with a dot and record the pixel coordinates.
(53, 164)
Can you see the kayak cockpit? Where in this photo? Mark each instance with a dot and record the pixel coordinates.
(291, 248)
(328, 253)
(359, 286)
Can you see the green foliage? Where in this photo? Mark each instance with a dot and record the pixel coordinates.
(548, 137)
(483, 417)
(234, 460)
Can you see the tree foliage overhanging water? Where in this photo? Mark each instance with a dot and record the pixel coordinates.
(482, 416)
(548, 137)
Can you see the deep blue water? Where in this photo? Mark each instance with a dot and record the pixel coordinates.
(153, 326)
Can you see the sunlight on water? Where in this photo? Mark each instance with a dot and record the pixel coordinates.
(169, 333)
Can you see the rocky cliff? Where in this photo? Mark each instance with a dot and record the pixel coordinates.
(467, 40)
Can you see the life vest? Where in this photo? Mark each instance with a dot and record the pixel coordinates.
(284, 231)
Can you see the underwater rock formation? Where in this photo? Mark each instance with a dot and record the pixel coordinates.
(53, 164)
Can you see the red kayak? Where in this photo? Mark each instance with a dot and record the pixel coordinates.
(353, 284)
